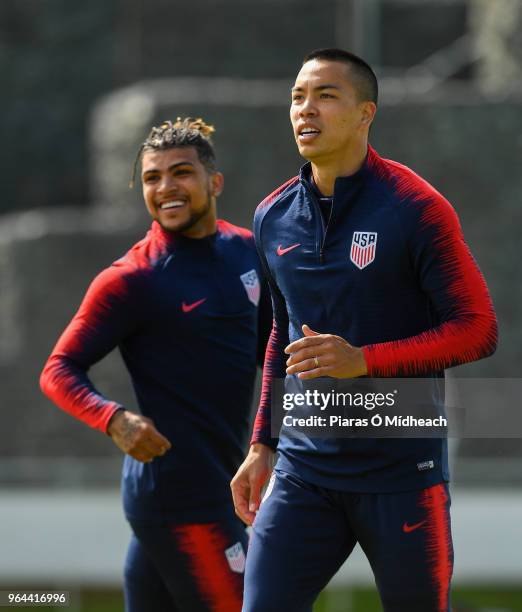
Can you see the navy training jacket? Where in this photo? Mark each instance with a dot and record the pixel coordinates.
(190, 319)
(390, 272)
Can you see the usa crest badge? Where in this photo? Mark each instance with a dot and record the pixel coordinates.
(236, 558)
(362, 251)
(251, 284)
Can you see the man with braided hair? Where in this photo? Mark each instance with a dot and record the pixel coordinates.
(186, 309)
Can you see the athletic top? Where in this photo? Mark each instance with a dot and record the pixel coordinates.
(184, 313)
(389, 272)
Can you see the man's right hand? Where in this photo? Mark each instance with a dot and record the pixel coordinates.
(136, 435)
(247, 483)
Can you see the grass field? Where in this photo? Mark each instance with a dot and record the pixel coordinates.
(487, 599)
(484, 599)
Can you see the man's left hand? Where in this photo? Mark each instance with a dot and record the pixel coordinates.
(324, 355)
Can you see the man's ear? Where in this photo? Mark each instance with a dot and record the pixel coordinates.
(368, 112)
(217, 182)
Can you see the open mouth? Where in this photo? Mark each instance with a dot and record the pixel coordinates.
(308, 133)
(173, 204)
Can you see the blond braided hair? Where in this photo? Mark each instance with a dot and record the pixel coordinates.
(184, 132)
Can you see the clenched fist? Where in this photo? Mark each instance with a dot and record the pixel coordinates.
(136, 435)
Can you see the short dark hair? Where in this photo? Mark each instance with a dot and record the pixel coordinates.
(187, 132)
(365, 81)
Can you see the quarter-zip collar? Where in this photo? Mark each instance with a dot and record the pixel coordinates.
(173, 240)
(346, 187)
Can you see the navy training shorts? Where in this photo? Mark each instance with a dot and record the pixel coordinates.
(303, 533)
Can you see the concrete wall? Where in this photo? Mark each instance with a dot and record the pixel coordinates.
(71, 539)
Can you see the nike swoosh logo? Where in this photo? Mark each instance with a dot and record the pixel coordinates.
(189, 307)
(281, 251)
(408, 528)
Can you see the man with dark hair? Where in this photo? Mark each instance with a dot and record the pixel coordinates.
(370, 276)
(187, 310)
(362, 76)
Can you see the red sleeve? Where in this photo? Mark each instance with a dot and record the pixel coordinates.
(466, 328)
(264, 322)
(105, 317)
(274, 366)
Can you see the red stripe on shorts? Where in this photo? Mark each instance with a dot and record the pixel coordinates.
(205, 545)
(434, 500)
